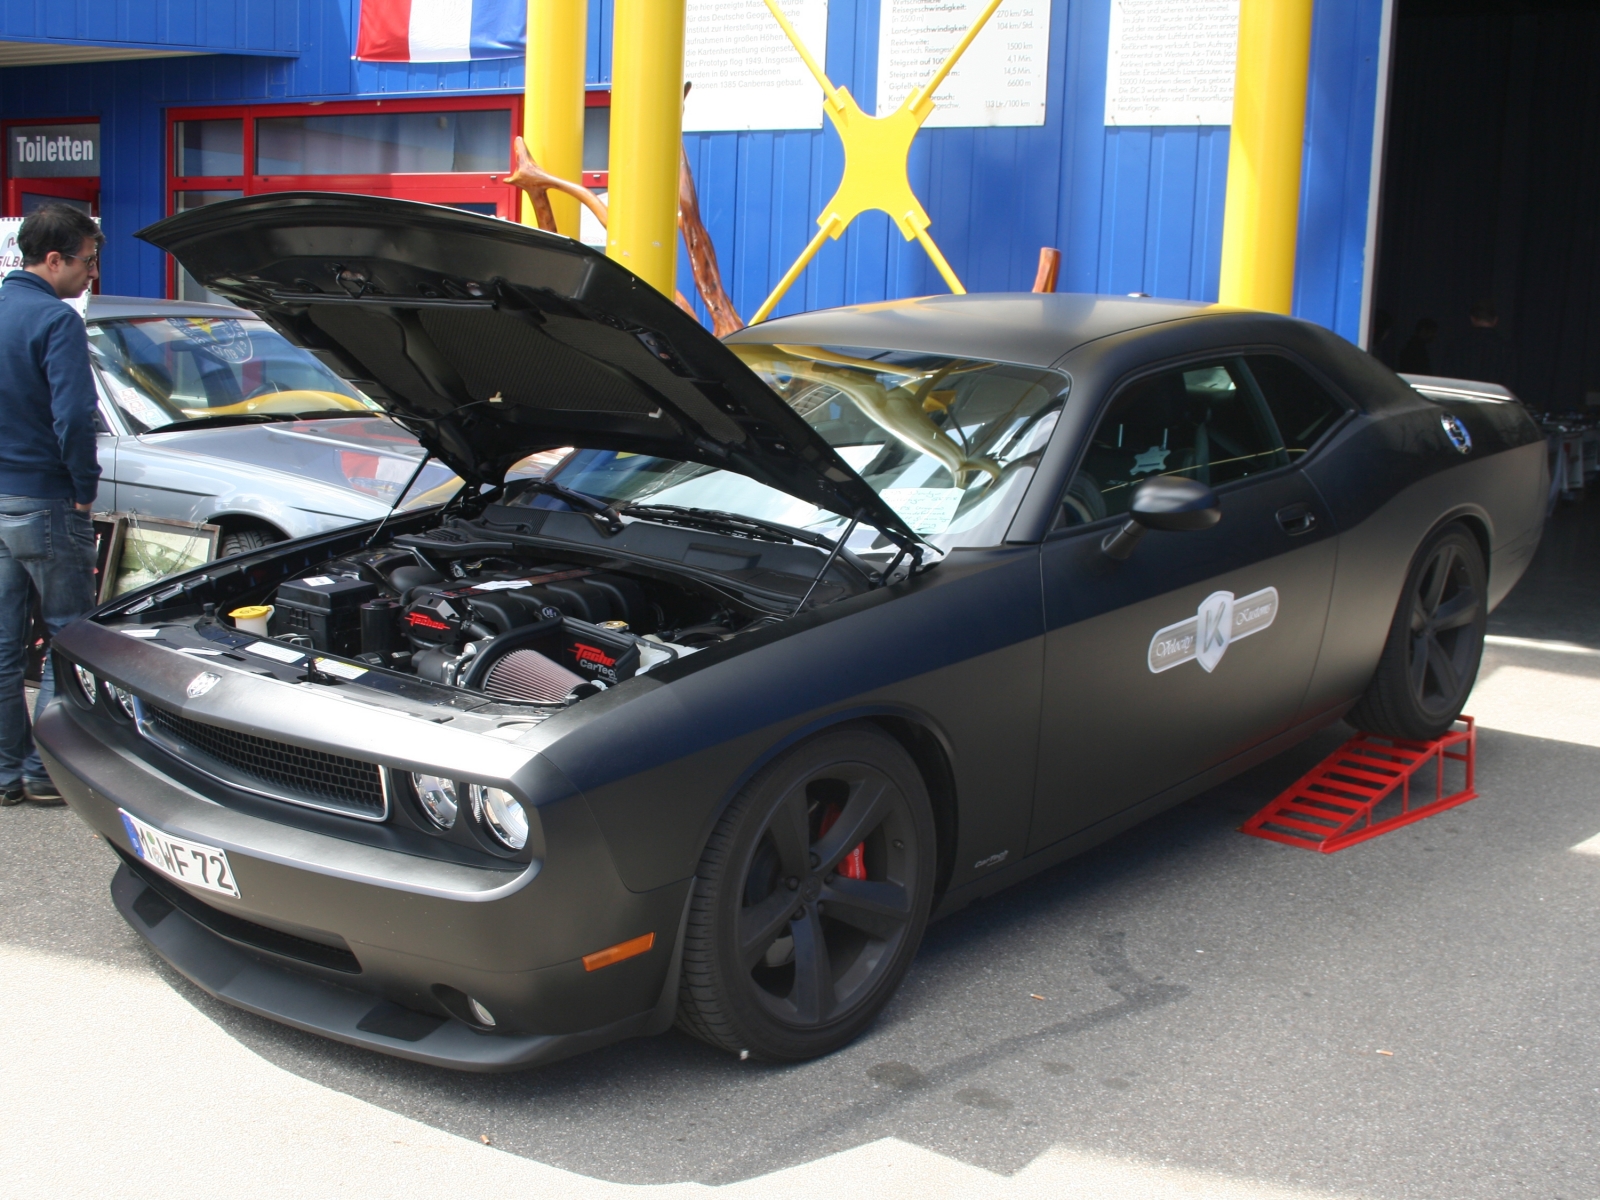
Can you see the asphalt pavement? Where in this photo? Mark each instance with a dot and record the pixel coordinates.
(1184, 1011)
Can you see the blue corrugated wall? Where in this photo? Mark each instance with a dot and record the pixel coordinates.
(253, 26)
(1132, 209)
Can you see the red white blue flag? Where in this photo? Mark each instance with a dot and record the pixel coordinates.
(441, 30)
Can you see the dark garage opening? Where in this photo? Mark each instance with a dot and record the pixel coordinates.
(1491, 196)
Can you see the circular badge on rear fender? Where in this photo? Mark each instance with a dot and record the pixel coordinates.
(1456, 430)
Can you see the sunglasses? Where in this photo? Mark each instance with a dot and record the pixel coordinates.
(92, 260)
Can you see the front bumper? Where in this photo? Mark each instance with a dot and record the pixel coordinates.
(351, 940)
(247, 981)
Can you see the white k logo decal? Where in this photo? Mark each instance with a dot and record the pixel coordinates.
(1222, 619)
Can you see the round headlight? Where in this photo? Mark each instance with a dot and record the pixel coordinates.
(124, 700)
(86, 681)
(438, 798)
(502, 815)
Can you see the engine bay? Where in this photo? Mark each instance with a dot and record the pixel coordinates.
(457, 606)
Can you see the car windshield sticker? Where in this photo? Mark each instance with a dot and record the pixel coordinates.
(926, 510)
(1206, 636)
(227, 339)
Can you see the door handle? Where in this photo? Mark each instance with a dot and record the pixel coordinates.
(1297, 519)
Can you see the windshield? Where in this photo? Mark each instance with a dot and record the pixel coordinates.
(158, 370)
(949, 443)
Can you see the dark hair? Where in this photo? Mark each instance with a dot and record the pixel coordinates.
(58, 227)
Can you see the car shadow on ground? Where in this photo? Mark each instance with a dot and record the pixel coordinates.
(670, 1108)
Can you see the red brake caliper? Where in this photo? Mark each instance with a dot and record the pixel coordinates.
(854, 864)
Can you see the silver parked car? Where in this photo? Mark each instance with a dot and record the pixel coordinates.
(207, 414)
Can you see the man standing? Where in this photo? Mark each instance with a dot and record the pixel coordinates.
(49, 472)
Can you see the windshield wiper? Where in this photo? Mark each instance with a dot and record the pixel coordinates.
(755, 528)
(725, 522)
(603, 514)
(219, 420)
(328, 414)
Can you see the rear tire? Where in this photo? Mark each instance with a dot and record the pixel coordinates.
(243, 540)
(1430, 661)
(794, 942)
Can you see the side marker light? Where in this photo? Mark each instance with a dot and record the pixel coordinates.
(615, 954)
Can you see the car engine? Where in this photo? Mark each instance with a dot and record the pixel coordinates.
(529, 631)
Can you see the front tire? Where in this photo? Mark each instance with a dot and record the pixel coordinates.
(810, 899)
(1430, 661)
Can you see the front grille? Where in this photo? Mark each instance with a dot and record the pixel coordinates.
(289, 772)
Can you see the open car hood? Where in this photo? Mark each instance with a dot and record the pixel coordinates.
(493, 341)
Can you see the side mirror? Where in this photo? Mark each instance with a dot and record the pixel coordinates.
(1167, 503)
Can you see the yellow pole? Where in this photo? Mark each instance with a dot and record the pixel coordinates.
(552, 100)
(1261, 221)
(646, 131)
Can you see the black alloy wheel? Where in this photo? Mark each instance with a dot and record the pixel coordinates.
(810, 900)
(1431, 659)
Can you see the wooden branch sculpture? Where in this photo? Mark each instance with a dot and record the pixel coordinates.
(702, 254)
(1049, 269)
(537, 182)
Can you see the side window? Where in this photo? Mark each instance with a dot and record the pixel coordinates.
(1300, 405)
(1201, 422)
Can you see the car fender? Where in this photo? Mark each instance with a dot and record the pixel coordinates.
(660, 757)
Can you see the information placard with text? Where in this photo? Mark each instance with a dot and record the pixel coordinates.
(1002, 78)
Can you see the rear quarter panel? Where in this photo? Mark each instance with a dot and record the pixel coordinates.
(1390, 478)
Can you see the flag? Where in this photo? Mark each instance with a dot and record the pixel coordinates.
(441, 30)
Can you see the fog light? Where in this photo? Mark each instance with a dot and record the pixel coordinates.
(86, 681)
(438, 798)
(124, 699)
(501, 815)
(484, 1016)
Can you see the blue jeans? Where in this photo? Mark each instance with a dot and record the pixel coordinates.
(49, 544)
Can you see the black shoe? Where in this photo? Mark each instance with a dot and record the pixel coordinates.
(42, 791)
(11, 794)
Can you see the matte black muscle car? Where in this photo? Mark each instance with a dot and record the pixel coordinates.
(823, 631)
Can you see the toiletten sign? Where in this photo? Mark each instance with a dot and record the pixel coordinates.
(53, 151)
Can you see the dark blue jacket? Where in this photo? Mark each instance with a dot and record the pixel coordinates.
(47, 397)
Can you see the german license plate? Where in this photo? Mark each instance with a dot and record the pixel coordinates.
(188, 862)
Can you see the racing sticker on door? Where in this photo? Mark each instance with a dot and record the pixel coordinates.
(1205, 637)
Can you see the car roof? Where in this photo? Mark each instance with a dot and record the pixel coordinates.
(111, 308)
(1032, 328)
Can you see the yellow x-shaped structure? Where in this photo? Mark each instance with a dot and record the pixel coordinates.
(876, 150)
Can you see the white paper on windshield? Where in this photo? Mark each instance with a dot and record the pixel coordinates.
(926, 510)
(136, 404)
